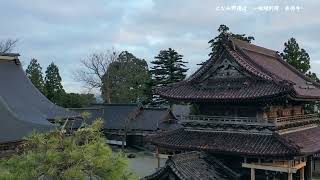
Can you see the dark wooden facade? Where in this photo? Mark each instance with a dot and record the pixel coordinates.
(251, 106)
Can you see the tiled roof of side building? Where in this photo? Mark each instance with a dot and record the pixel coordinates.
(226, 142)
(144, 119)
(115, 116)
(275, 77)
(153, 119)
(195, 165)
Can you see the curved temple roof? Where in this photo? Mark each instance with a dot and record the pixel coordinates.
(267, 75)
(302, 142)
(22, 107)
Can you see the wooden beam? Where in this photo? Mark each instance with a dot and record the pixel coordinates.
(253, 174)
(275, 167)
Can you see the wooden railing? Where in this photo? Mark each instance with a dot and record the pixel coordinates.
(280, 121)
(222, 119)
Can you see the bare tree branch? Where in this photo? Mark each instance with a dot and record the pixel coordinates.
(94, 68)
(6, 46)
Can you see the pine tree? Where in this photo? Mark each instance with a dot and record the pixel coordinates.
(56, 155)
(168, 67)
(295, 56)
(34, 73)
(223, 31)
(53, 86)
(299, 58)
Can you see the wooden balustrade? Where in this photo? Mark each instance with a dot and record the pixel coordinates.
(221, 119)
(279, 121)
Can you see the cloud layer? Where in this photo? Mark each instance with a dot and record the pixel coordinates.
(66, 31)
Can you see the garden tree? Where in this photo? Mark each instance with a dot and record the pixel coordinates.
(53, 87)
(299, 58)
(296, 56)
(75, 100)
(34, 73)
(125, 80)
(95, 67)
(223, 32)
(6, 46)
(168, 67)
(57, 155)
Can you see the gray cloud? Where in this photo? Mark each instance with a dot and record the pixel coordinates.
(66, 31)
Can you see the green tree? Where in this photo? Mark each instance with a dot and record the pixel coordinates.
(74, 100)
(125, 80)
(53, 87)
(168, 67)
(299, 58)
(296, 56)
(223, 32)
(56, 155)
(34, 73)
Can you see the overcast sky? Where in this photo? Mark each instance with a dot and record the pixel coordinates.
(65, 31)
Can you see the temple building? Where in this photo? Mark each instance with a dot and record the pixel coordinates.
(129, 124)
(23, 109)
(249, 115)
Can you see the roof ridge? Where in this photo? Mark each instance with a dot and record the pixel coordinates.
(251, 64)
(255, 64)
(253, 45)
(10, 54)
(155, 108)
(116, 104)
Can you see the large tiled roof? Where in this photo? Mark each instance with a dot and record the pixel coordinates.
(298, 142)
(270, 76)
(194, 165)
(22, 107)
(226, 142)
(247, 90)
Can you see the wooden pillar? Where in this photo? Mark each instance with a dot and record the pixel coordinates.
(289, 176)
(253, 175)
(308, 170)
(302, 173)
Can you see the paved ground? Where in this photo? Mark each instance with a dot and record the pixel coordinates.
(144, 163)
